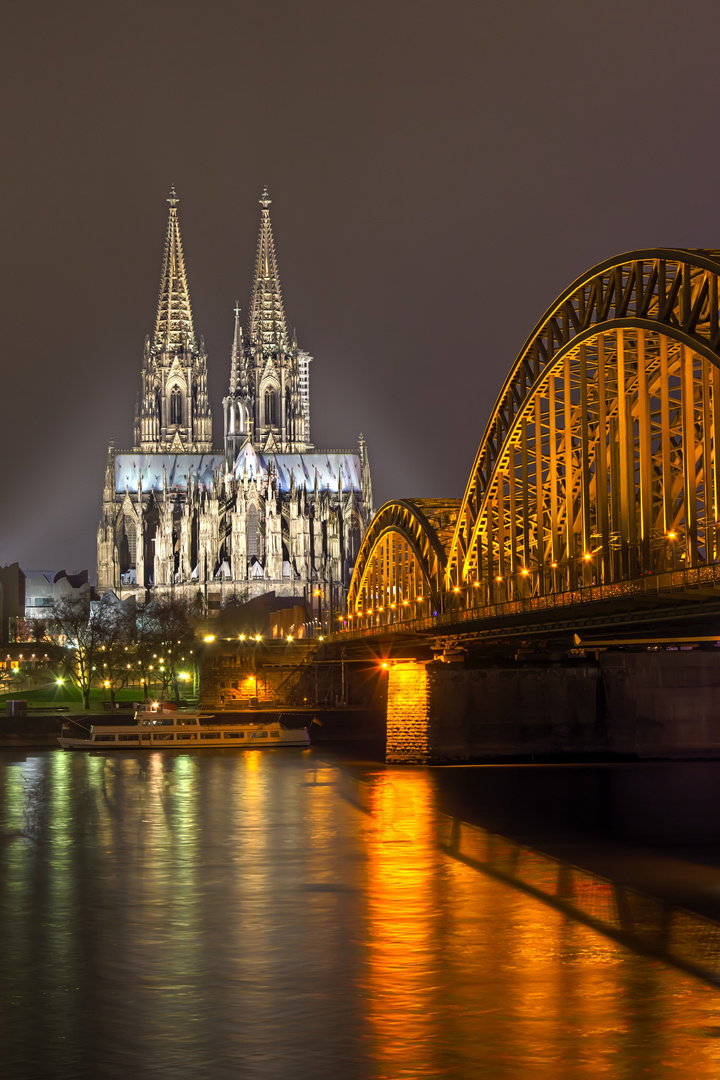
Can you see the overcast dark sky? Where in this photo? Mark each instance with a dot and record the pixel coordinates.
(439, 171)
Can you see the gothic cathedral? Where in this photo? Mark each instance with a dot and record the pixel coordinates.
(268, 512)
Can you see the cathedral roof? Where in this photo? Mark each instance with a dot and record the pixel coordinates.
(174, 322)
(150, 469)
(266, 318)
(326, 467)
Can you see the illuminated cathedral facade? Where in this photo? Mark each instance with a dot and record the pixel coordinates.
(267, 511)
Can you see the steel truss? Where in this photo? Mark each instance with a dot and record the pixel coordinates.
(598, 464)
(401, 563)
(598, 461)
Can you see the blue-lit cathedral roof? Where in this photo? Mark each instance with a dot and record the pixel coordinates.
(326, 470)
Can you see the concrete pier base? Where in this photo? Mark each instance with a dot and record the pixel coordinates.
(643, 705)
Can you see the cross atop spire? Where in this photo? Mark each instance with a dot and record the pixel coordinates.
(266, 319)
(174, 323)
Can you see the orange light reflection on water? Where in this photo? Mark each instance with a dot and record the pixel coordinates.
(468, 976)
(403, 912)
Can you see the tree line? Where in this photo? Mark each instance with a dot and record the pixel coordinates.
(108, 642)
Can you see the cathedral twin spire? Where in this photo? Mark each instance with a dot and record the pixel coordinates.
(174, 322)
(266, 322)
(268, 399)
(173, 410)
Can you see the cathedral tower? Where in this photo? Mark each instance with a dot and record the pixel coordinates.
(173, 412)
(269, 396)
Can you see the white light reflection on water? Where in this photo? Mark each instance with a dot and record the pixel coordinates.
(255, 914)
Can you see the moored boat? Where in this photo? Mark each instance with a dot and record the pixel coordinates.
(161, 726)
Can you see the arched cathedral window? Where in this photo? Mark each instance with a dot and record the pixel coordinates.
(252, 532)
(176, 406)
(270, 408)
(131, 537)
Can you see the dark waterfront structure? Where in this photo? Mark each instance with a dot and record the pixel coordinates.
(592, 511)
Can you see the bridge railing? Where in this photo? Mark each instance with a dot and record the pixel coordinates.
(674, 581)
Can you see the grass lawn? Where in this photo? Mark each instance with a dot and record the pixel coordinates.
(68, 694)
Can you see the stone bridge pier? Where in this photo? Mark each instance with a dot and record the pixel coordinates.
(624, 705)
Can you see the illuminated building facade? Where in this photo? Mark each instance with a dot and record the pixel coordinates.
(265, 512)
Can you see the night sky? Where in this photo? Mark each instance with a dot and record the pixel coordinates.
(439, 172)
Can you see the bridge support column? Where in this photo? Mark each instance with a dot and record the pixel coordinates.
(408, 713)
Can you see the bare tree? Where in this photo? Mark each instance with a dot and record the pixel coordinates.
(163, 636)
(72, 625)
(116, 633)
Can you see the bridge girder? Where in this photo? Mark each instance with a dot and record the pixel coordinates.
(594, 461)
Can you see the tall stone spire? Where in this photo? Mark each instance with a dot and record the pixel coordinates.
(174, 323)
(173, 411)
(238, 368)
(266, 321)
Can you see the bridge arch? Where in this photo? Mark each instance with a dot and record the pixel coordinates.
(598, 463)
(400, 568)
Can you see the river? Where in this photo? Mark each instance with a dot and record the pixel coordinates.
(306, 914)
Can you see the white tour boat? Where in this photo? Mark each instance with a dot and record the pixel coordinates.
(160, 725)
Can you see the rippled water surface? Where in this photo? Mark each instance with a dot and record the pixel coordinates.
(279, 914)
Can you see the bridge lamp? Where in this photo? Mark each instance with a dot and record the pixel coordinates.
(587, 556)
(456, 589)
(553, 565)
(671, 536)
(384, 664)
(209, 637)
(258, 637)
(525, 572)
(405, 603)
(393, 606)
(321, 638)
(498, 579)
(289, 637)
(59, 682)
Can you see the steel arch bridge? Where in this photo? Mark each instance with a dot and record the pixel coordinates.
(401, 566)
(598, 466)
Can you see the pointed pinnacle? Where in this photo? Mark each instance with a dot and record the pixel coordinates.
(237, 309)
(265, 199)
(173, 199)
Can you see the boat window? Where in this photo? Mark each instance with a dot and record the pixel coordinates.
(160, 736)
(104, 738)
(127, 738)
(146, 738)
(261, 734)
(210, 735)
(274, 734)
(234, 735)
